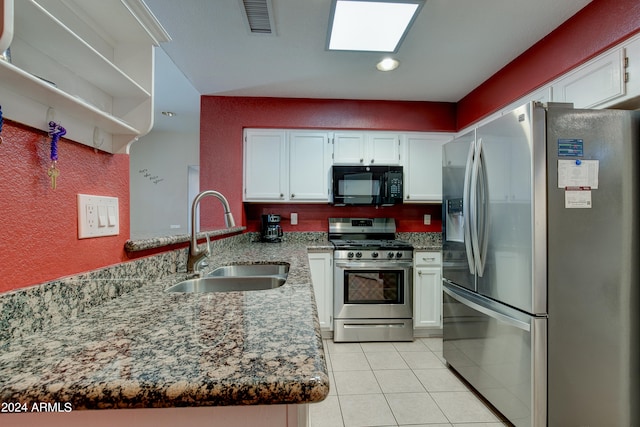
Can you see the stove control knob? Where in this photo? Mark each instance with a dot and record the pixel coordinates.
(358, 254)
(389, 254)
(350, 255)
(374, 255)
(398, 254)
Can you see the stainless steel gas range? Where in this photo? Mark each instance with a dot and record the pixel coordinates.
(373, 292)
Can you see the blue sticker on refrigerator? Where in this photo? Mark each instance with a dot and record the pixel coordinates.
(570, 148)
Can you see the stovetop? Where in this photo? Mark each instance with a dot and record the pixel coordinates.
(371, 244)
(367, 239)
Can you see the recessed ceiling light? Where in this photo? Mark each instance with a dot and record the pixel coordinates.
(168, 113)
(370, 25)
(388, 64)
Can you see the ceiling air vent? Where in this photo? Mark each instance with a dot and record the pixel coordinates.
(259, 16)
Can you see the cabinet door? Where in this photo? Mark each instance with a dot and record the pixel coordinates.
(423, 167)
(427, 285)
(428, 296)
(265, 165)
(382, 148)
(322, 279)
(309, 166)
(597, 82)
(348, 148)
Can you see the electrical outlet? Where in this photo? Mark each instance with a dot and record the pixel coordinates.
(97, 216)
(427, 219)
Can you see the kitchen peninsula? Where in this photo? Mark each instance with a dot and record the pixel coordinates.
(237, 356)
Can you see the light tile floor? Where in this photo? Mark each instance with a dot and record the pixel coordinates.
(396, 384)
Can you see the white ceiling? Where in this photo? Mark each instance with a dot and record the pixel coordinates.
(453, 46)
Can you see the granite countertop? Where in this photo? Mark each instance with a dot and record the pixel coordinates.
(149, 348)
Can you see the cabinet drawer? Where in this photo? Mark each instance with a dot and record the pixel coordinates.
(422, 259)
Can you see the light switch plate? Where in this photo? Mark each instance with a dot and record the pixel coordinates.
(97, 216)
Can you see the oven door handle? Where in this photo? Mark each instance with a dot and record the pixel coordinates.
(374, 265)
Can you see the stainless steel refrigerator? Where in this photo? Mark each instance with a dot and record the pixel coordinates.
(541, 264)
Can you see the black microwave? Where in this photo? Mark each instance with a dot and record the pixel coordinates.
(367, 185)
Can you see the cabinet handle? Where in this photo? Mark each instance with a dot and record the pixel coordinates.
(281, 195)
(293, 195)
(408, 197)
(420, 273)
(361, 160)
(372, 160)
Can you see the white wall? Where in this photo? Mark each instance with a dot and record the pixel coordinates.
(160, 160)
(158, 183)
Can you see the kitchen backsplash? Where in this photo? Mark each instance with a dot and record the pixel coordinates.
(314, 217)
(32, 309)
(28, 310)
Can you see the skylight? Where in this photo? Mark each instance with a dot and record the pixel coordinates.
(370, 25)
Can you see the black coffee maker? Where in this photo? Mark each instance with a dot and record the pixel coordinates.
(271, 230)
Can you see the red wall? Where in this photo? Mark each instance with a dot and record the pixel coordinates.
(597, 27)
(39, 225)
(224, 118)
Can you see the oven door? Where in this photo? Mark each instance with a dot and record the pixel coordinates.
(373, 290)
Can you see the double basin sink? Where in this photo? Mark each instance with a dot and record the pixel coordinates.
(233, 278)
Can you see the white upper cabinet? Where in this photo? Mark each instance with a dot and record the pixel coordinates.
(348, 148)
(423, 167)
(87, 65)
(309, 166)
(382, 148)
(366, 148)
(286, 166)
(631, 99)
(265, 165)
(595, 83)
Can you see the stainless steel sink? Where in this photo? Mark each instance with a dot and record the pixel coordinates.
(227, 284)
(249, 270)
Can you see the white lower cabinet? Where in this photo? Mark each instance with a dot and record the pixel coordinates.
(427, 293)
(321, 266)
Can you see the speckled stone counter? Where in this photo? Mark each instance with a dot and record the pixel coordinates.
(422, 241)
(149, 349)
(142, 243)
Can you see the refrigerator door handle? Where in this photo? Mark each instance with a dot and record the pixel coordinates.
(466, 211)
(482, 206)
(486, 310)
(473, 199)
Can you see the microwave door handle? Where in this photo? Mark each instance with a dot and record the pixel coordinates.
(466, 210)
(385, 184)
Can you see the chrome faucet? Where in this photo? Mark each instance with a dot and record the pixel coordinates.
(197, 256)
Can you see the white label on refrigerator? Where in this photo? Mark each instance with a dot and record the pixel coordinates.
(578, 173)
(577, 198)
